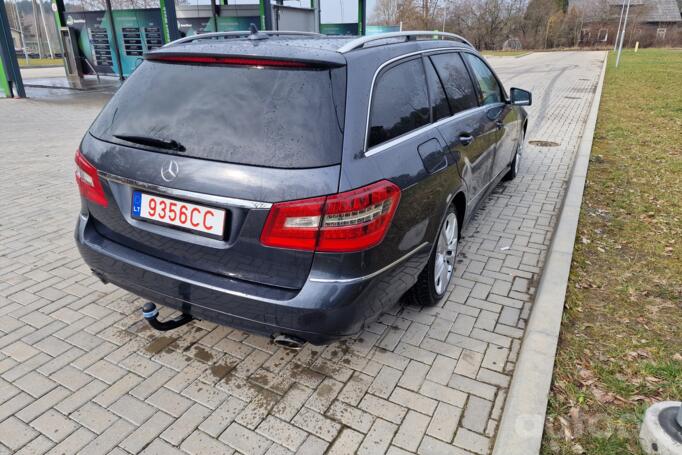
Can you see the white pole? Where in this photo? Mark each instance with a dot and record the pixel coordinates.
(622, 34)
(37, 29)
(445, 14)
(47, 33)
(21, 31)
(615, 41)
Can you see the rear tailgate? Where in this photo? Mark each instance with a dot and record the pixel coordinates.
(249, 137)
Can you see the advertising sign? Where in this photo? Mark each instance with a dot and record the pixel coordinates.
(137, 31)
(234, 23)
(339, 29)
(194, 25)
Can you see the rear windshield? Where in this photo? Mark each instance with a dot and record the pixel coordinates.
(285, 118)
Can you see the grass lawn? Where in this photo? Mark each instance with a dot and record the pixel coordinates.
(40, 62)
(620, 347)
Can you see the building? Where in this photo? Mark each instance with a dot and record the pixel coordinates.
(650, 22)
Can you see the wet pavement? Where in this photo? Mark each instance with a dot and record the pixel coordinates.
(80, 371)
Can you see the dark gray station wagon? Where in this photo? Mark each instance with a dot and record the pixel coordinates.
(294, 185)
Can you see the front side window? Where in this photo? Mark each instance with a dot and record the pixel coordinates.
(490, 89)
(400, 102)
(456, 80)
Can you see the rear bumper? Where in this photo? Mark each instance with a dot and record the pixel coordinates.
(319, 312)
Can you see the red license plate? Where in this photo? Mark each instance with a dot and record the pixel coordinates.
(185, 215)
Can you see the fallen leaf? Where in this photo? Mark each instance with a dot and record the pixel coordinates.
(566, 428)
(602, 396)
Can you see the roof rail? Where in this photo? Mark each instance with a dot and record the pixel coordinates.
(239, 34)
(409, 36)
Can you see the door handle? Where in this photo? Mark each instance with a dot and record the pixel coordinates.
(499, 123)
(466, 138)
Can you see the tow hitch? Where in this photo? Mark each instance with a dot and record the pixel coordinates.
(150, 313)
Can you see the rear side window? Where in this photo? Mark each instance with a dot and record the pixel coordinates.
(274, 117)
(440, 106)
(400, 102)
(491, 92)
(456, 81)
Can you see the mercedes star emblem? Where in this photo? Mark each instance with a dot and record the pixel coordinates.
(170, 170)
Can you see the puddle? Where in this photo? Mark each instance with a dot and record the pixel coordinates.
(159, 344)
(221, 370)
(202, 354)
(325, 390)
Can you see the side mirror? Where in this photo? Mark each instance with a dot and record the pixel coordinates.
(520, 97)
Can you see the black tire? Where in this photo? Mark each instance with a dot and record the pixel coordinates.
(514, 166)
(425, 292)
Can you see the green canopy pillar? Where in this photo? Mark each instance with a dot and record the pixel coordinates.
(10, 75)
(169, 21)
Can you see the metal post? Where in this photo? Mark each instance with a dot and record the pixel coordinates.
(261, 11)
(10, 74)
(444, 15)
(169, 20)
(117, 50)
(21, 31)
(58, 9)
(214, 11)
(37, 29)
(47, 33)
(267, 15)
(4, 83)
(362, 17)
(615, 41)
(622, 33)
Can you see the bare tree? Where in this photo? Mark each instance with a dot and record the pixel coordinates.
(487, 23)
(386, 12)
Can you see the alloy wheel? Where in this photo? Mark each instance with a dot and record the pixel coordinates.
(446, 250)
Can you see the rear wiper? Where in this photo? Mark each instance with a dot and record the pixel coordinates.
(169, 144)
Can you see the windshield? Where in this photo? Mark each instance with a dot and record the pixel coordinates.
(285, 118)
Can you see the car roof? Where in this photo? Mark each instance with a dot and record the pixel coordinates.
(305, 47)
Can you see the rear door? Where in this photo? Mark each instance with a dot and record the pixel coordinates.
(500, 116)
(407, 148)
(469, 134)
(231, 138)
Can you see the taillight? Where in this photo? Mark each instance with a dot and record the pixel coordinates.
(352, 221)
(88, 181)
(293, 224)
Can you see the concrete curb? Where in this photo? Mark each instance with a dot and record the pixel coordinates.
(523, 419)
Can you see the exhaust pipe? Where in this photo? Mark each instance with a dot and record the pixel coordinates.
(100, 275)
(150, 313)
(289, 341)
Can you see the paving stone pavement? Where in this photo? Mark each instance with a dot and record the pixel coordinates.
(80, 372)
